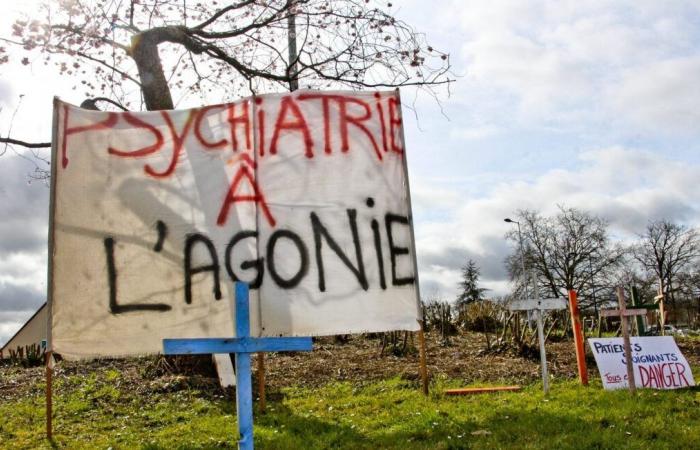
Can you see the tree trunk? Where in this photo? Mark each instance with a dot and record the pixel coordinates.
(154, 85)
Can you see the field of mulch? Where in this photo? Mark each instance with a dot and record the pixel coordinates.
(359, 360)
(464, 358)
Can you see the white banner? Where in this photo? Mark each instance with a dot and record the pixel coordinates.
(155, 214)
(657, 361)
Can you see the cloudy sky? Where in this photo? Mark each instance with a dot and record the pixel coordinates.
(589, 104)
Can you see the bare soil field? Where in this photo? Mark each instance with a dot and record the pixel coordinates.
(358, 360)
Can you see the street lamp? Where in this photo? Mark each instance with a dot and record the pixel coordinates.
(522, 250)
(538, 311)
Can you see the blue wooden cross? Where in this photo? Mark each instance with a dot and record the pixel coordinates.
(242, 345)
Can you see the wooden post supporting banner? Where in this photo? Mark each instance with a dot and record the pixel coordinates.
(578, 338)
(423, 361)
(49, 396)
(50, 280)
(419, 305)
(261, 381)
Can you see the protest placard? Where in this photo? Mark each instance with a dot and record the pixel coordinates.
(156, 214)
(657, 363)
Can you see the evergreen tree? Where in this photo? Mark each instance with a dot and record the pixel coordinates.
(470, 291)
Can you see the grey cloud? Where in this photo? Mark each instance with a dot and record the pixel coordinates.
(490, 262)
(17, 298)
(633, 218)
(23, 207)
(430, 289)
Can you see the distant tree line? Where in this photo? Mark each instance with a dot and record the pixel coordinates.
(572, 249)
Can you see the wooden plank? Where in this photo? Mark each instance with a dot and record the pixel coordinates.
(423, 363)
(541, 304)
(578, 338)
(627, 312)
(482, 390)
(626, 338)
(49, 396)
(261, 381)
(224, 369)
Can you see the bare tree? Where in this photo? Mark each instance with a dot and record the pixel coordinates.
(570, 250)
(688, 287)
(666, 250)
(163, 50)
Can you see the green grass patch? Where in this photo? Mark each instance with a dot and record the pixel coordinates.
(101, 412)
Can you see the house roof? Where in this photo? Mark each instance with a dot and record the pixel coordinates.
(2, 349)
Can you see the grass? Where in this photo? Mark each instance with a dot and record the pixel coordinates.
(101, 410)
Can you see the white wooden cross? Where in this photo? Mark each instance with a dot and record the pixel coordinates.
(624, 313)
(539, 305)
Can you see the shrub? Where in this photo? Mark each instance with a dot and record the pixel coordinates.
(27, 356)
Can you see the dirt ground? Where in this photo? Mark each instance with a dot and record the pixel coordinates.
(357, 360)
(463, 358)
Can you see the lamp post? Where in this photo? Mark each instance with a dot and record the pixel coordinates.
(522, 250)
(525, 277)
(538, 311)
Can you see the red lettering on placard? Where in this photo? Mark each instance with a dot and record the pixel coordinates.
(345, 118)
(666, 375)
(246, 157)
(394, 124)
(380, 113)
(109, 122)
(261, 126)
(198, 131)
(371, 118)
(178, 141)
(235, 120)
(135, 121)
(232, 197)
(296, 123)
(680, 371)
(325, 104)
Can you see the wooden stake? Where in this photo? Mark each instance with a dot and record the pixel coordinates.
(423, 363)
(662, 309)
(482, 390)
(49, 400)
(578, 338)
(261, 381)
(626, 340)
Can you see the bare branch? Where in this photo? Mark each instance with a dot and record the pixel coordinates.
(9, 140)
(221, 12)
